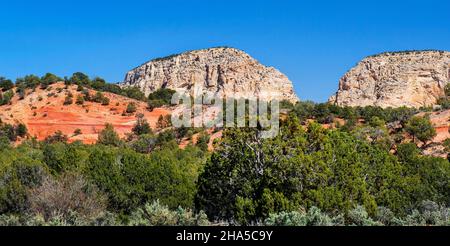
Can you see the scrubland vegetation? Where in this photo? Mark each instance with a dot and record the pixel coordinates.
(366, 170)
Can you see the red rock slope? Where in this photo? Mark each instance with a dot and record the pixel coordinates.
(44, 113)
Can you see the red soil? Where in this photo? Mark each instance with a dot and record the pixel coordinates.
(441, 121)
(45, 114)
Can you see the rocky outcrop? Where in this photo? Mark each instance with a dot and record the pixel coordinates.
(224, 71)
(412, 79)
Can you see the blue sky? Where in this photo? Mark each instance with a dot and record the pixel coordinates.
(313, 42)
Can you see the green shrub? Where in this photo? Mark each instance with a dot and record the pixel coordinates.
(293, 218)
(98, 83)
(105, 101)
(156, 214)
(8, 131)
(62, 157)
(70, 219)
(314, 217)
(23, 173)
(163, 95)
(86, 95)
(5, 98)
(79, 78)
(6, 84)
(428, 214)
(77, 132)
(131, 108)
(4, 142)
(49, 79)
(131, 92)
(420, 128)
(57, 137)
(203, 141)
(80, 100)
(166, 138)
(98, 98)
(360, 217)
(29, 82)
(68, 100)
(130, 179)
(142, 126)
(108, 136)
(145, 143)
(164, 122)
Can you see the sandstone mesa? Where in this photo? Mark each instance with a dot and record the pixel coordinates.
(226, 72)
(411, 79)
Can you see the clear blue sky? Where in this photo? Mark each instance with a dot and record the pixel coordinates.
(313, 42)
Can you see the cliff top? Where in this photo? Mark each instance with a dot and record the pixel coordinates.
(224, 49)
(408, 52)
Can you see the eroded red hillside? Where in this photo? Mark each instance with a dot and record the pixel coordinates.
(44, 113)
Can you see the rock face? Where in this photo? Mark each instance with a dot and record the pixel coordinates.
(411, 79)
(223, 71)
